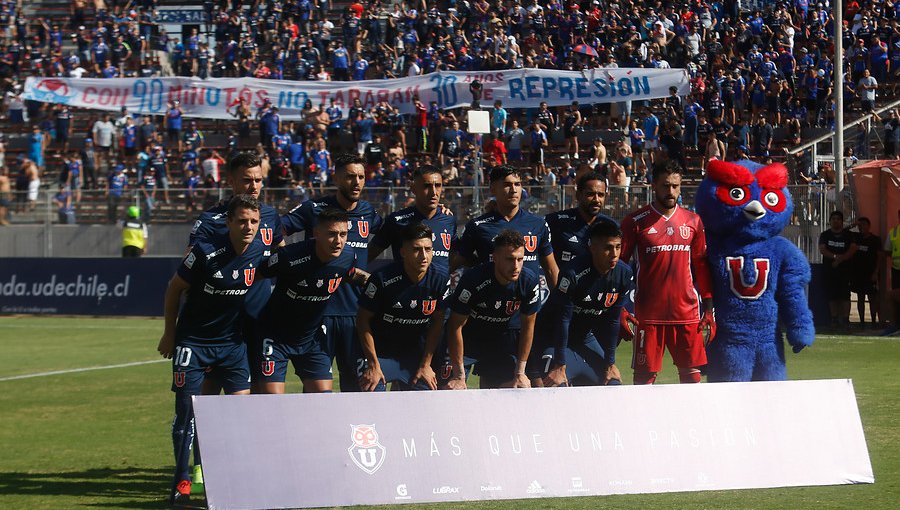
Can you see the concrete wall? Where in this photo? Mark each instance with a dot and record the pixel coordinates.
(86, 240)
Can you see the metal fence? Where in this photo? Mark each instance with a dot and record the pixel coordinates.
(812, 205)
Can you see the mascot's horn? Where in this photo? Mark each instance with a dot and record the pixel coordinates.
(774, 176)
(730, 174)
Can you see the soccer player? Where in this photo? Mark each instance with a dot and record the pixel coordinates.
(308, 275)
(582, 314)
(477, 241)
(428, 188)
(481, 332)
(401, 316)
(569, 228)
(244, 174)
(668, 246)
(215, 278)
(340, 315)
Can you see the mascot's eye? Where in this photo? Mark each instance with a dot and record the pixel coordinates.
(733, 196)
(774, 200)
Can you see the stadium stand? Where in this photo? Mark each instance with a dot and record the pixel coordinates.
(771, 59)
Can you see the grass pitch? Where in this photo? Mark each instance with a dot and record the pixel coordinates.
(100, 438)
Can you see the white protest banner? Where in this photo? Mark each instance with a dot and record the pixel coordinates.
(214, 97)
(286, 451)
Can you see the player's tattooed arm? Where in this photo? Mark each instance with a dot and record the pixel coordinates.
(177, 286)
(359, 277)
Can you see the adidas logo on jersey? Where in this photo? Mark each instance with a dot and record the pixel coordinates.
(303, 284)
(573, 239)
(218, 274)
(398, 305)
(652, 231)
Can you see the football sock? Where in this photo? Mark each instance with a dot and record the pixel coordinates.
(641, 377)
(688, 375)
(183, 435)
(197, 460)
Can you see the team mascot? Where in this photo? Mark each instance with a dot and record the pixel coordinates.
(759, 277)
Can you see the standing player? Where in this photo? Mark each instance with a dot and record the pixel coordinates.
(307, 274)
(668, 246)
(428, 188)
(244, 173)
(481, 331)
(582, 315)
(215, 277)
(401, 316)
(340, 314)
(569, 228)
(477, 241)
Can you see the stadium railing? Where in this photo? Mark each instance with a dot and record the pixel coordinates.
(812, 205)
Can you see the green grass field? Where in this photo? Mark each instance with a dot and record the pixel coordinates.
(100, 438)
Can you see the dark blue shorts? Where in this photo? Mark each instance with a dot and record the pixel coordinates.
(341, 344)
(193, 363)
(309, 361)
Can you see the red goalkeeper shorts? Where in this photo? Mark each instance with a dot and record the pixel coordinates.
(684, 342)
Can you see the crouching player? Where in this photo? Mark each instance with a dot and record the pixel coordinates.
(580, 323)
(206, 337)
(482, 332)
(308, 275)
(402, 304)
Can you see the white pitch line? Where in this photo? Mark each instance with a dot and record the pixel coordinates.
(77, 370)
(66, 326)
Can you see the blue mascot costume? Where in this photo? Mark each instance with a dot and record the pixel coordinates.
(759, 277)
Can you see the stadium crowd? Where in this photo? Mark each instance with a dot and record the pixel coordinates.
(759, 77)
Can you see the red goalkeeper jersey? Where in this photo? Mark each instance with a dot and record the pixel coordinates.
(672, 273)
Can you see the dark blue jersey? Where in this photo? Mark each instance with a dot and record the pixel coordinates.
(569, 234)
(443, 226)
(212, 223)
(220, 280)
(304, 287)
(364, 223)
(584, 302)
(492, 307)
(402, 308)
(477, 241)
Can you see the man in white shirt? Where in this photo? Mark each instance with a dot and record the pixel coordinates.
(866, 90)
(103, 137)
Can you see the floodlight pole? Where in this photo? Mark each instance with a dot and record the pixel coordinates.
(838, 142)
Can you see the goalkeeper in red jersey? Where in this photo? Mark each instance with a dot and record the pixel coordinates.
(668, 246)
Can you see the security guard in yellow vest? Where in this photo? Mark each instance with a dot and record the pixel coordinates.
(134, 234)
(892, 246)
